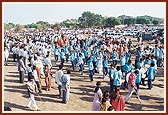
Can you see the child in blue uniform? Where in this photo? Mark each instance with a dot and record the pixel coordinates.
(151, 74)
(111, 71)
(90, 67)
(62, 55)
(114, 57)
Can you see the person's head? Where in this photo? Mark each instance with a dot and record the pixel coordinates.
(141, 59)
(112, 65)
(106, 95)
(152, 64)
(136, 72)
(29, 65)
(98, 83)
(118, 68)
(68, 71)
(60, 67)
(80, 54)
(103, 100)
(129, 61)
(47, 55)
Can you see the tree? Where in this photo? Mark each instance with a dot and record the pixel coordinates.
(8, 26)
(70, 23)
(111, 22)
(129, 21)
(56, 26)
(142, 20)
(19, 27)
(87, 19)
(155, 21)
(39, 26)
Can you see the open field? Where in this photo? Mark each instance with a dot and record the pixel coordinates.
(81, 92)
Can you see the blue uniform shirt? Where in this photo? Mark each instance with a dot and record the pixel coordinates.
(90, 64)
(148, 62)
(122, 61)
(105, 62)
(117, 78)
(56, 51)
(62, 54)
(114, 56)
(156, 52)
(151, 72)
(111, 72)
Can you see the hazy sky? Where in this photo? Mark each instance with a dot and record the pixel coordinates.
(27, 13)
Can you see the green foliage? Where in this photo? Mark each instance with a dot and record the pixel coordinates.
(19, 27)
(8, 26)
(56, 26)
(156, 21)
(90, 20)
(111, 22)
(69, 23)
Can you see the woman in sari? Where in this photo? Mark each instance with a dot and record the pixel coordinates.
(117, 101)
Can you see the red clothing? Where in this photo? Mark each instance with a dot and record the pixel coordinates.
(118, 105)
(131, 79)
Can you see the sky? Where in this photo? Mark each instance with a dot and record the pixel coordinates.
(27, 13)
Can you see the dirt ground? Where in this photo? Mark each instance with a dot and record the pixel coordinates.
(81, 92)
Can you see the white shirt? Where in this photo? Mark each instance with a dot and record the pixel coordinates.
(58, 76)
(35, 75)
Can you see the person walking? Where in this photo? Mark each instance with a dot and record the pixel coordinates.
(47, 73)
(90, 67)
(131, 85)
(105, 103)
(58, 76)
(21, 69)
(6, 55)
(32, 91)
(65, 80)
(117, 78)
(97, 97)
(151, 75)
(112, 69)
(81, 63)
(117, 101)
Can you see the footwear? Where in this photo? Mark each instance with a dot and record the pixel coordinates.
(38, 110)
(26, 107)
(149, 88)
(126, 102)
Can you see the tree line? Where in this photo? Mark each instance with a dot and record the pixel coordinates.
(92, 20)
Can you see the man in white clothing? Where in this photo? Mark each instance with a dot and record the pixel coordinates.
(58, 76)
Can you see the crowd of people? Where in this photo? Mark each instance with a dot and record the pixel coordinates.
(107, 57)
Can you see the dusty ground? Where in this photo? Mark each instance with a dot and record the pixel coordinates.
(81, 94)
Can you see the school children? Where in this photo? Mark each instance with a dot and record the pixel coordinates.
(151, 75)
(90, 67)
